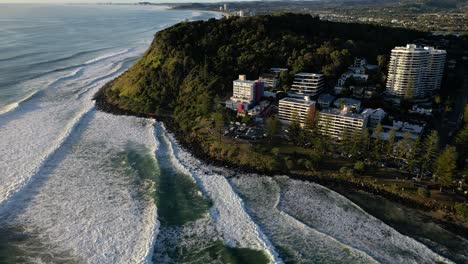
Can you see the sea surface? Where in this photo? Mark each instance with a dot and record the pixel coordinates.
(81, 186)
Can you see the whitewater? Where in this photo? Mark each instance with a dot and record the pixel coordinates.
(81, 186)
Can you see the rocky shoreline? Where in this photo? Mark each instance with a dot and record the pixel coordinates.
(336, 184)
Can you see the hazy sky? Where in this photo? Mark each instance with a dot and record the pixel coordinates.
(101, 1)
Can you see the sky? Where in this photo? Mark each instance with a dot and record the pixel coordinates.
(101, 1)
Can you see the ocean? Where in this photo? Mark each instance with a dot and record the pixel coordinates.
(81, 186)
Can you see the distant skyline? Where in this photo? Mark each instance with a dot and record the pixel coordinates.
(104, 1)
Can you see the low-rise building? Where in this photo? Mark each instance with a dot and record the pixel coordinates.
(401, 129)
(278, 70)
(421, 109)
(296, 109)
(351, 104)
(357, 71)
(270, 80)
(375, 116)
(310, 84)
(334, 123)
(325, 100)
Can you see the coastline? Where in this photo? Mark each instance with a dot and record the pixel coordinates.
(338, 185)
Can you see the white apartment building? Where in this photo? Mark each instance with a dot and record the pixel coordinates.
(243, 90)
(296, 108)
(418, 67)
(435, 70)
(334, 122)
(308, 83)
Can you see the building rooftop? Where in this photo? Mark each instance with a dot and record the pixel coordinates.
(375, 112)
(277, 70)
(334, 111)
(245, 81)
(307, 74)
(326, 98)
(347, 101)
(298, 100)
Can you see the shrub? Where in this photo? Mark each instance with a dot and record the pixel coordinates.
(345, 171)
(290, 164)
(462, 209)
(423, 192)
(359, 166)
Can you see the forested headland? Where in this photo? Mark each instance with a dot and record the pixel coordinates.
(188, 70)
(191, 64)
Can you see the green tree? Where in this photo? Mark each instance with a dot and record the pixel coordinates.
(429, 151)
(295, 130)
(445, 167)
(218, 119)
(345, 171)
(390, 143)
(409, 92)
(412, 156)
(346, 141)
(423, 192)
(285, 80)
(403, 145)
(378, 142)
(381, 61)
(359, 166)
(365, 141)
(272, 127)
(461, 141)
(356, 141)
(465, 114)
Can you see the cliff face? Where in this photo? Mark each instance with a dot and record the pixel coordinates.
(191, 63)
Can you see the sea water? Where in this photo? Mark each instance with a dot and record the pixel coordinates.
(81, 186)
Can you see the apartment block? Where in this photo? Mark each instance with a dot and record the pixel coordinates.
(246, 93)
(302, 110)
(334, 122)
(310, 84)
(417, 68)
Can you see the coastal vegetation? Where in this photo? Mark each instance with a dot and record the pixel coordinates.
(188, 70)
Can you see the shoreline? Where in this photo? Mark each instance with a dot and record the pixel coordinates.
(336, 184)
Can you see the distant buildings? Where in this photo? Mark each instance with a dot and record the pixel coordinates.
(246, 93)
(308, 83)
(278, 70)
(374, 116)
(415, 71)
(325, 100)
(334, 122)
(413, 131)
(271, 78)
(357, 72)
(421, 109)
(301, 110)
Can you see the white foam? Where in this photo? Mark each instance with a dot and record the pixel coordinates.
(349, 224)
(84, 203)
(12, 106)
(301, 242)
(288, 209)
(229, 216)
(108, 56)
(39, 127)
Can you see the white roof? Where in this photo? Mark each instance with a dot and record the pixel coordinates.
(298, 100)
(307, 74)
